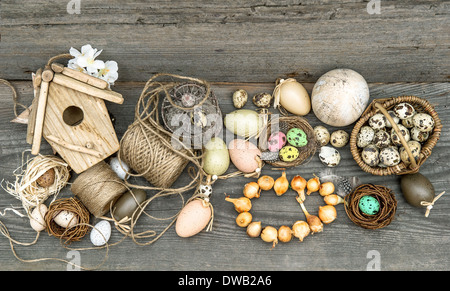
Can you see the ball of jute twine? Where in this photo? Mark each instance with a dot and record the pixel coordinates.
(386, 198)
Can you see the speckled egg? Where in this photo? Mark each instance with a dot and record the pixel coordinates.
(101, 233)
(369, 205)
(395, 137)
(339, 138)
(415, 148)
(382, 139)
(423, 122)
(322, 135)
(262, 100)
(404, 110)
(289, 153)
(243, 155)
(417, 135)
(119, 167)
(365, 136)
(297, 137)
(394, 117)
(408, 122)
(329, 156)
(390, 156)
(47, 179)
(378, 121)
(370, 155)
(277, 141)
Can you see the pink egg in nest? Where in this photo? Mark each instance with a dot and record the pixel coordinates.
(277, 140)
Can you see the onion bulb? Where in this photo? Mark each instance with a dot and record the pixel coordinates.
(300, 229)
(281, 184)
(254, 229)
(270, 234)
(284, 233)
(265, 182)
(241, 204)
(314, 222)
(313, 185)
(244, 219)
(326, 188)
(333, 199)
(327, 213)
(298, 183)
(252, 190)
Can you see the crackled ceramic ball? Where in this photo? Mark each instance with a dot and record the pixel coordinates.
(339, 97)
(369, 205)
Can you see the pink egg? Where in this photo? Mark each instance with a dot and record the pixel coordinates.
(243, 155)
(277, 140)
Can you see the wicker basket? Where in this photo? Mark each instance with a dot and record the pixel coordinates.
(383, 105)
(285, 123)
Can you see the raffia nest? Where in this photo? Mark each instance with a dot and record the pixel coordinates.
(386, 198)
(74, 205)
(285, 123)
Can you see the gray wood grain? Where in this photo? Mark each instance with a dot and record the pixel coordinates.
(410, 242)
(235, 41)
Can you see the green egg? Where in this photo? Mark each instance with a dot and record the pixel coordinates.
(369, 205)
(297, 137)
(288, 153)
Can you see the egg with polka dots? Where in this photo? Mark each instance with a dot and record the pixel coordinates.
(297, 137)
(289, 153)
(369, 205)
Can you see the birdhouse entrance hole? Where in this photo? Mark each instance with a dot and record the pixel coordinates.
(73, 115)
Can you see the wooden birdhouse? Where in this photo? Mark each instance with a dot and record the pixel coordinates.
(70, 113)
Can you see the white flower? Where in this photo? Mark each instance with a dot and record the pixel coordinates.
(72, 64)
(109, 72)
(86, 59)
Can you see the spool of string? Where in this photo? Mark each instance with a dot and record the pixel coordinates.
(98, 187)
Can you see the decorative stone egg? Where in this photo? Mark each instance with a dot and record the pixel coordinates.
(243, 155)
(240, 98)
(370, 155)
(289, 154)
(127, 204)
(390, 156)
(339, 138)
(37, 220)
(408, 122)
(417, 135)
(365, 136)
(415, 148)
(66, 219)
(394, 117)
(322, 135)
(396, 139)
(423, 122)
(277, 141)
(339, 97)
(101, 233)
(119, 167)
(297, 137)
(369, 205)
(329, 156)
(47, 179)
(404, 110)
(378, 121)
(262, 100)
(382, 138)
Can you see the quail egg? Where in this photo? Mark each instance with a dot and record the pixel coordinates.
(339, 138)
(418, 135)
(289, 153)
(390, 156)
(240, 98)
(370, 155)
(408, 122)
(415, 148)
(365, 136)
(329, 156)
(378, 121)
(423, 122)
(404, 110)
(262, 100)
(382, 139)
(322, 135)
(394, 117)
(395, 138)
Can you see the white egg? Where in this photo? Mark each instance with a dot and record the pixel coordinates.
(119, 167)
(66, 219)
(37, 220)
(329, 156)
(101, 233)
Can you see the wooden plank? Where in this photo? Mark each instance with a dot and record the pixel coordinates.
(342, 245)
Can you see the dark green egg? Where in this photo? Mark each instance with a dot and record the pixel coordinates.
(416, 188)
(126, 204)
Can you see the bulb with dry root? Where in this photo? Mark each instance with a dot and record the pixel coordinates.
(241, 204)
(326, 188)
(270, 234)
(281, 184)
(301, 229)
(314, 222)
(298, 184)
(313, 185)
(254, 229)
(333, 199)
(284, 233)
(252, 190)
(327, 213)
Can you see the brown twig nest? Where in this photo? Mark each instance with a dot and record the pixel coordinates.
(73, 205)
(386, 199)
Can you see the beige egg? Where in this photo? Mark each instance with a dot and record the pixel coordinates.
(66, 219)
(37, 220)
(243, 155)
(193, 218)
(216, 157)
(243, 122)
(339, 97)
(293, 97)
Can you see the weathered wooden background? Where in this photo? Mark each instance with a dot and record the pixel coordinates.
(404, 50)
